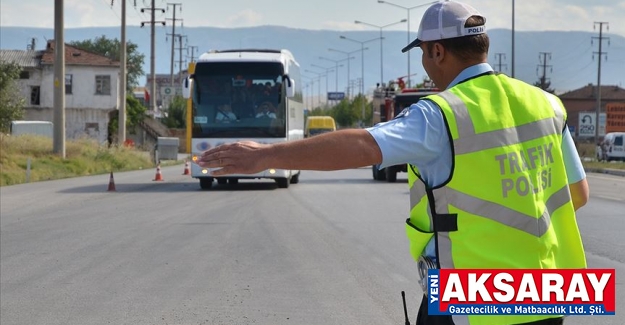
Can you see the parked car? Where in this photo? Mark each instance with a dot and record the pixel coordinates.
(612, 147)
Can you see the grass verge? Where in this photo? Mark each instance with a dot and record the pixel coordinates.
(83, 157)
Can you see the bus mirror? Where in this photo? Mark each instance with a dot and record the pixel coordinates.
(285, 78)
(187, 85)
(290, 88)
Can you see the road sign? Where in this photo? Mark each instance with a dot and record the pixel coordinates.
(170, 91)
(587, 124)
(336, 95)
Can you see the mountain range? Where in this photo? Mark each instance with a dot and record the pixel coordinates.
(569, 59)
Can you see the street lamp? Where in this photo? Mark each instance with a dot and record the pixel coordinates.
(312, 88)
(348, 58)
(336, 62)
(362, 73)
(381, 42)
(319, 74)
(408, 20)
(327, 70)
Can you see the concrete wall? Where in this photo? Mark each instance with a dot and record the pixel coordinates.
(79, 122)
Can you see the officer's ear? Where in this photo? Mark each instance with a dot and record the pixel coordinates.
(438, 52)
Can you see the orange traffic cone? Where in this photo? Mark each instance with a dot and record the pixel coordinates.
(111, 184)
(187, 171)
(159, 176)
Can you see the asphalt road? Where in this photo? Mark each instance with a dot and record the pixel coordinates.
(330, 250)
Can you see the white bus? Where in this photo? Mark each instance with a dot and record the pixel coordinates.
(244, 94)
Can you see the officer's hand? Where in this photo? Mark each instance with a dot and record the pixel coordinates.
(244, 157)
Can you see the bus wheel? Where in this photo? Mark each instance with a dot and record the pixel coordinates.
(295, 179)
(206, 183)
(282, 182)
(222, 181)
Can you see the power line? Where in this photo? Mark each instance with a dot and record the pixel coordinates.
(193, 48)
(499, 57)
(152, 23)
(173, 32)
(180, 57)
(544, 81)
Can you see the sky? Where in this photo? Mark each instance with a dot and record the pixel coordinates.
(530, 15)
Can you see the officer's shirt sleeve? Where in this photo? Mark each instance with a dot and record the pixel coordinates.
(417, 136)
(572, 163)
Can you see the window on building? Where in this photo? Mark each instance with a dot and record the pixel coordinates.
(25, 74)
(35, 95)
(68, 84)
(102, 85)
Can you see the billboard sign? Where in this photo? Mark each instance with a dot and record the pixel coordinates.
(336, 95)
(615, 117)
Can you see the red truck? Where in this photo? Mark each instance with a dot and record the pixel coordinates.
(390, 104)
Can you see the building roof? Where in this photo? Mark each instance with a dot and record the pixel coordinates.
(25, 59)
(588, 92)
(77, 56)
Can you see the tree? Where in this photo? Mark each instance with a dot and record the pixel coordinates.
(11, 103)
(346, 113)
(545, 85)
(135, 112)
(111, 48)
(176, 113)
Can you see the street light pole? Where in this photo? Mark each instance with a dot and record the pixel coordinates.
(408, 20)
(348, 58)
(381, 42)
(312, 86)
(327, 70)
(336, 62)
(319, 74)
(362, 73)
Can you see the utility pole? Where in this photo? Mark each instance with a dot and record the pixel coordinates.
(599, 54)
(180, 57)
(512, 59)
(173, 32)
(121, 113)
(499, 57)
(193, 48)
(152, 23)
(59, 80)
(543, 79)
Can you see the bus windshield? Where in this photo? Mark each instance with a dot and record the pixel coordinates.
(238, 100)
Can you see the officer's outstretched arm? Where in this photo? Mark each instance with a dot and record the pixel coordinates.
(579, 193)
(329, 151)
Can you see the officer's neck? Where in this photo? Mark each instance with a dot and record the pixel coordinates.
(452, 69)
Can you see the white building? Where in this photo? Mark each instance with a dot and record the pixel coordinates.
(91, 88)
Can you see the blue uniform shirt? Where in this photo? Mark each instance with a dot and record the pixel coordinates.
(419, 137)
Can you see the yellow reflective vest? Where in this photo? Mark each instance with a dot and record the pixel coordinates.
(506, 203)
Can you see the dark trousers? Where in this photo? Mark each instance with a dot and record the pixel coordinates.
(424, 319)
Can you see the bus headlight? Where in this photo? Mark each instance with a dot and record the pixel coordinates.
(204, 171)
(272, 171)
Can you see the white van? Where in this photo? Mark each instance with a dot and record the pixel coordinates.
(43, 128)
(612, 147)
